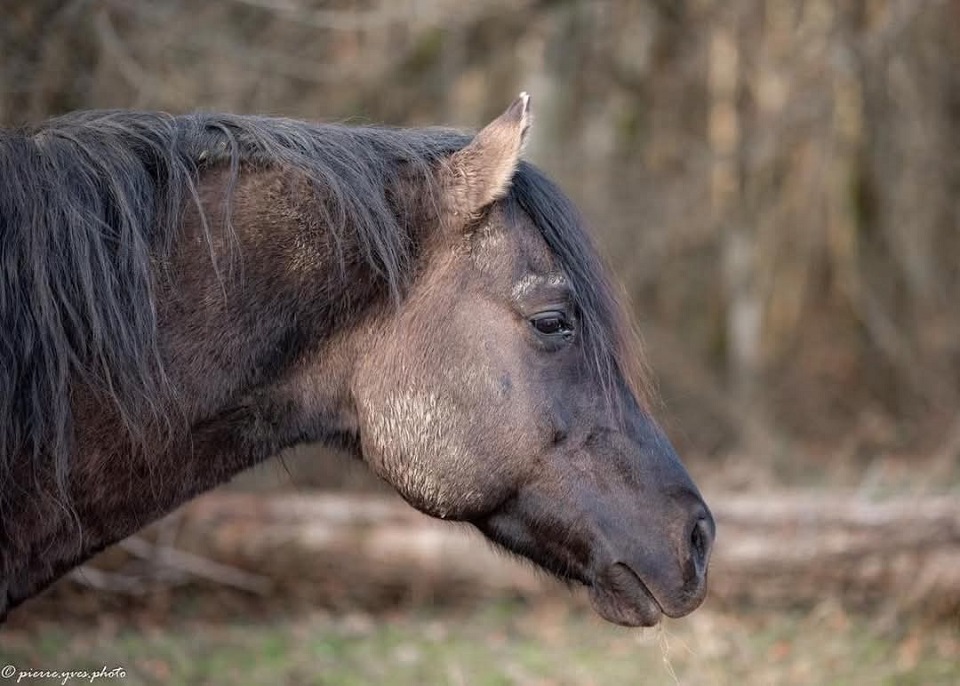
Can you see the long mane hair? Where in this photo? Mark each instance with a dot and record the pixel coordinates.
(91, 204)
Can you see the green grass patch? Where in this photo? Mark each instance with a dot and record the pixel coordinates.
(498, 645)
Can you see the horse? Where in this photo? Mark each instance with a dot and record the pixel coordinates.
(182, 297)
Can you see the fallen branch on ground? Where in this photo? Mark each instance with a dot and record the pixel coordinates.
(775, 549)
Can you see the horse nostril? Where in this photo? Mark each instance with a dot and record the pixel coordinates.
(700, 541)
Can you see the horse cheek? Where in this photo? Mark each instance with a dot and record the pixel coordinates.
(422, 432)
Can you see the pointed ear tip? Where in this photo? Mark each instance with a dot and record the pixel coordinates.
(520, 108)
(524, 99)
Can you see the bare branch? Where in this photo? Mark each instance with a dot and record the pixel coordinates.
(334, 20)
(132, 72)
(107, 581)
(198, 566)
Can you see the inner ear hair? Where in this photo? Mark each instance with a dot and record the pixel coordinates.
(480, 173)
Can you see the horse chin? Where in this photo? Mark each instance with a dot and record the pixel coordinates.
(618, 595)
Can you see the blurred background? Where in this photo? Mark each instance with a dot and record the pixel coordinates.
(776, 183)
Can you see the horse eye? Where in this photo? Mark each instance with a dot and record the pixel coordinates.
(552, 323)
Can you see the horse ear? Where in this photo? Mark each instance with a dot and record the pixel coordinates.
(480, 173)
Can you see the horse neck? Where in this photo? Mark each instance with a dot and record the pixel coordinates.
(257, 320)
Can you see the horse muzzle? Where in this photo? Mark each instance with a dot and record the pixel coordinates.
(633, 590)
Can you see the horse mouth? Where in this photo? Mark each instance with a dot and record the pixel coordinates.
(618, 595)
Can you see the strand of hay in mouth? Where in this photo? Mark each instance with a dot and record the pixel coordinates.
(664, 644)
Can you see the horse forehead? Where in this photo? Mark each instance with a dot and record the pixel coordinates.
(511, 244)
(531, 282)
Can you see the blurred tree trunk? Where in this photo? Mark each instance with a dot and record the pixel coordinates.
(730, 85)
(44, 58)
(739, 268)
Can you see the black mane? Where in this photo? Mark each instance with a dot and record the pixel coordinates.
(91, 203)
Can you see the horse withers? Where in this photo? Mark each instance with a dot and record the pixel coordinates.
(182, 297)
